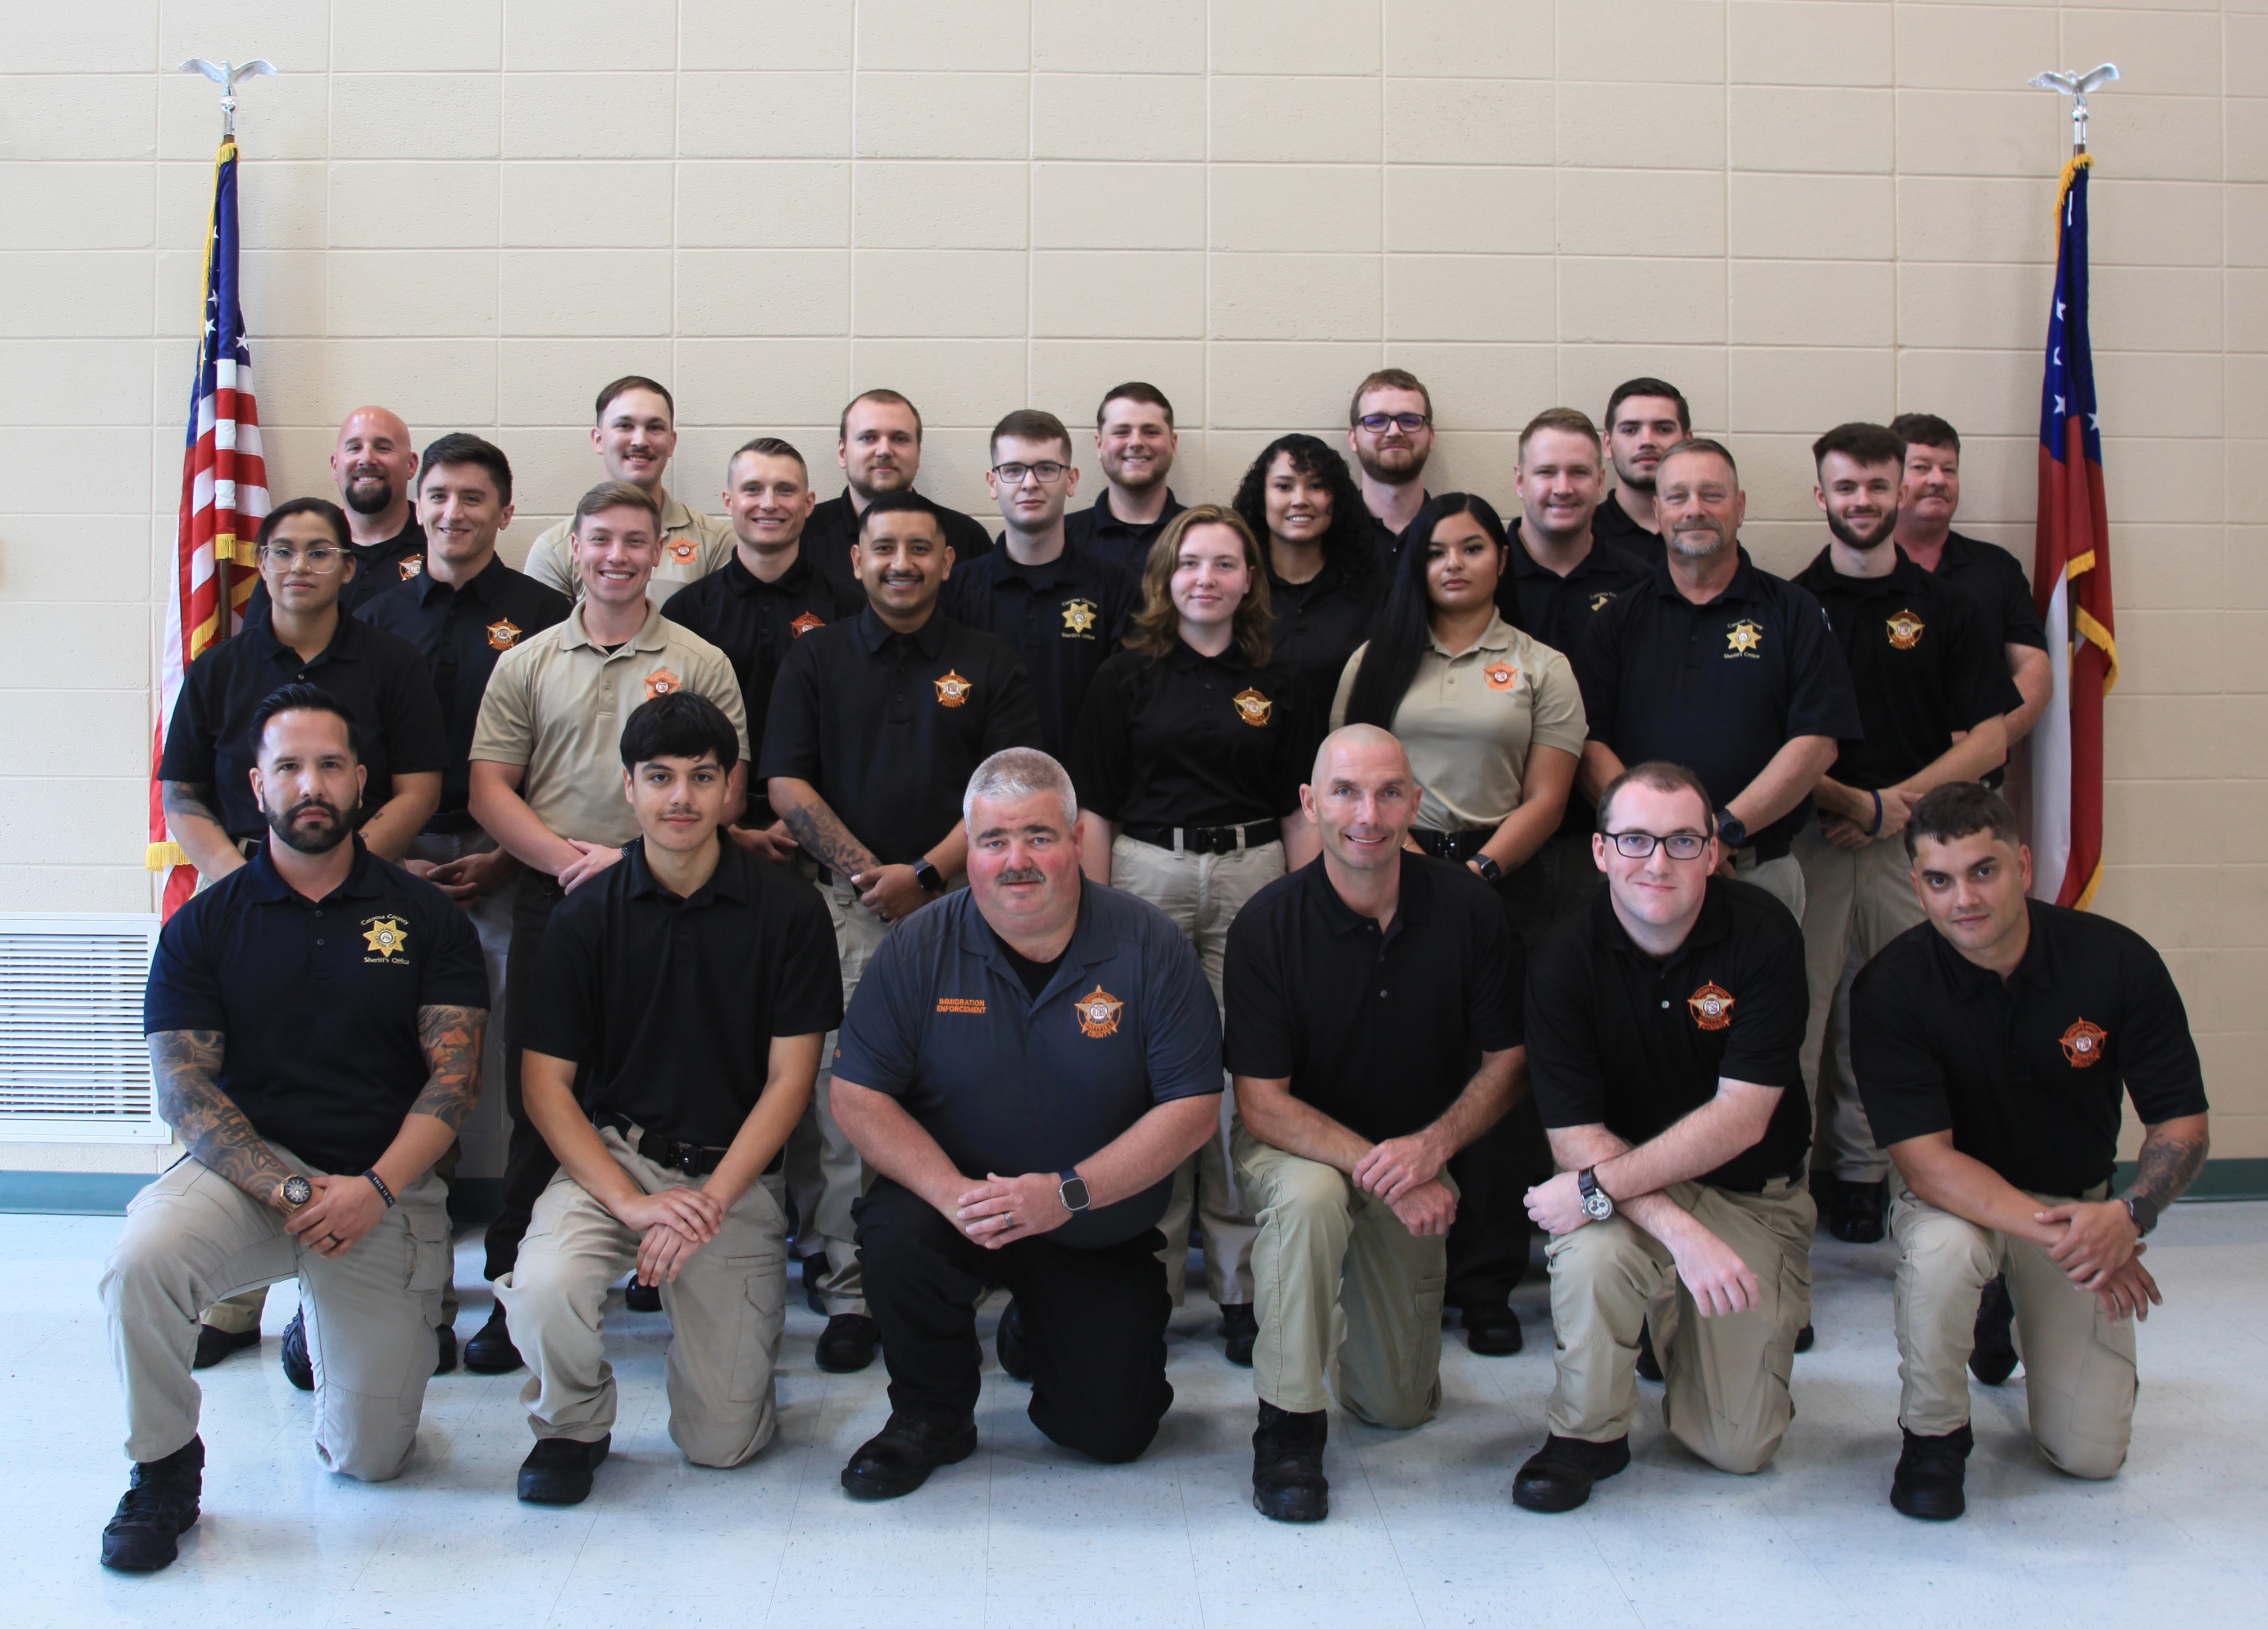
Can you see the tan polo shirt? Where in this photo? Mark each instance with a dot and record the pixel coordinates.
(557, 702)
(693, 544)
(1469, 721)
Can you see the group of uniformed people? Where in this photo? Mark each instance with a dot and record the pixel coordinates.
(1338, 875)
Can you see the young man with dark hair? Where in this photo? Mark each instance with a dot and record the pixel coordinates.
(634, 432)
(1934, 693)
(1134, 442)
(1390, 432)
(1645, 417)
(1994, 1042)
(878, 442)
(679, 1006)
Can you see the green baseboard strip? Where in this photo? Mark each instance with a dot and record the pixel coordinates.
(105, 1193)
(2222, 1179)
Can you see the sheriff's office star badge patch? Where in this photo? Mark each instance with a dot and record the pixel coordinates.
(503, 634)
(412, 566)
(1253, 707)
(1079, 617)
(804, 624)
(386, 938)
(661, 681)
(1744, 638)
(953, 691)
(684, 550)
(1098, 1014)
(1905, 631)
(1712, 1006)
(1501, 675)
(1601, 602)
(2082, 1044)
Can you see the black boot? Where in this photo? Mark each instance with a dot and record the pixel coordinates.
(898, 1459)
(847, 1343)
(1240, 1328)
(1287, 1466)
(1649, 1367)
(1014, 1353)
(1858, 1212)
(1993, 1358)
(160, 1504)
(298, 1368)
(1558, 1477)
(1927, 1485)
(557, 1469)
(490, 1350)
(639, 1297)
(1492, 1330)
(214, 1344)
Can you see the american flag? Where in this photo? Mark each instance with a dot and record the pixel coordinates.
(223, 494)
(2070, 578)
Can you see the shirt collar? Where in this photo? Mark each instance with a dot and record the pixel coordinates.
(482, 587)
(675, 517)
(1498, 636)
(648, 637)
(1714, 923)
(744, 582)
(1342, 918)
(1745, 585)
(1186, 656)
(2038, 968)
(345, 643)
(928, 638)
(1106, 517)
(1090, 942)
(1904, 578)
(266, 884)
(729, 881)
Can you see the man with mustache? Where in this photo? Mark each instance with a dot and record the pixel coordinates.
(878, 442)
(1933, 691)
(1645, 417)
(1135, 442)
(375, 462)
(1390, 432)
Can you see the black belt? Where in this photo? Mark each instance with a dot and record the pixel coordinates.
(693, 1159)
(1452, 845)
(1206, 839)
(1769, 846)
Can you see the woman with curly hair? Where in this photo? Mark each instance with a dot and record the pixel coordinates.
(1324, 583)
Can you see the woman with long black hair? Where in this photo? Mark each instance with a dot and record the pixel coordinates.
(1324, 582)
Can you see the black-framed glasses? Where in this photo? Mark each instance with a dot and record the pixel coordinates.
(1638, 844)
(1377, 424)
(322, 559)
(1047, 474)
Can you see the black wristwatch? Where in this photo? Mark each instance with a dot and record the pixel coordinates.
(2142, 1212)
(298, 1190)
(932, 879)
(1491, 871)
(1730, 831)
(1598, 1204)
(1073, 1191)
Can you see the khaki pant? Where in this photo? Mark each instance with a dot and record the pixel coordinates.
(2079, 1362)
(727, 1310)
(1345, 1293)
(1783, 877)
(193, 1237)
(838, 1177)
(1201, 894)
(1727, 1377)
(1853, 902)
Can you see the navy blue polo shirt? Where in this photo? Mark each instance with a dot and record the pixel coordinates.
(1011, 1083)
(318, 999)
(1719, 687)
(832, 532)
(1099, 531)
(380, 679)
(1064, 618)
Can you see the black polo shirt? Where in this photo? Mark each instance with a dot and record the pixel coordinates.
(669, 1005)
(2026, 1072)
(1010, 1082)
(1995, 580)
(1120, 542)
(832, 532)
(1613, 525)
(1379, 1031)
(1922, 659)
(461, 632)
(1185, 740)
(1558, 610)
(1618, 1038)
(1065, 618)
(1719, 687)
(889, 726)
(753, 623)
(379, 568)
(1390, 543)
(318, 1000)
(378, 678)
(1318, 624)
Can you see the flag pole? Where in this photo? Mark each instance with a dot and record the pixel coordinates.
(227, 75)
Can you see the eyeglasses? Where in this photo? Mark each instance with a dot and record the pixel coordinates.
(1638, 844)
(1378, 423)
(322, 560)
(1047, 474)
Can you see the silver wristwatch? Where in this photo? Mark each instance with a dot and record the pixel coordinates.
(1598, 1204)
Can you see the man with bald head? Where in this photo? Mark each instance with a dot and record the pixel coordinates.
(375, 464)
(1350, 1104)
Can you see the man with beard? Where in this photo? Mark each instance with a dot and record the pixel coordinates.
(1645, 417)
(1934, 692)
(1390, 430)
(373, 462)
(315, 1021)
(879, 444)
(1134, 439)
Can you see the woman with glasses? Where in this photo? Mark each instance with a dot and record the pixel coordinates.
(1324, 582)
(1188, 758)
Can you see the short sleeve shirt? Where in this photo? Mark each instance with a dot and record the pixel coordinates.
(1063, 619)
(2027, 1071)
(318, 999)
(1469, 722)
(1015, 1083)
(1123, 543)
(379, 678)
(693, 544)
(832, 532)
(1994, 579)
(669, 1005)
(379, 568)
(556, 704)
(1380, 1030)
(1186, 740)
(1618, 1038)
(1316, 625)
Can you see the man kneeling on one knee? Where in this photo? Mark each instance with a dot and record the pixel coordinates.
(1025, 1066)
(678, 1010)
(1666, 1019)
(1374, 1031)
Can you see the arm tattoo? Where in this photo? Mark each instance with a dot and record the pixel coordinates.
(450, 1037)
(823, 836)
(188, 797)
(187, 1063)
(2167, 1164)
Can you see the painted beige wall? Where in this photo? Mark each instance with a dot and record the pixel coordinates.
(476, 210)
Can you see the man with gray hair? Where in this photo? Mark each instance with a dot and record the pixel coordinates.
(1025, 1065)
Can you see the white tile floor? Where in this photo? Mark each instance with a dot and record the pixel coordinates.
(1423, 1529)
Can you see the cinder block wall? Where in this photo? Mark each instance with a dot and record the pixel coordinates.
(475, 211)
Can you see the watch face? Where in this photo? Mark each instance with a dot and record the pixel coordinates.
(1597, 1206)
(298, 1190)
(1074, 1194)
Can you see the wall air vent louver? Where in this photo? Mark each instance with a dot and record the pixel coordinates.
(73, 1064)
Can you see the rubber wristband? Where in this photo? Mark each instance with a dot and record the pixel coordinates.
(1875, 830)
(378, 1183)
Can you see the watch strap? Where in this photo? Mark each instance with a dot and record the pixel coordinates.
(927, 874)
(2142, 1212)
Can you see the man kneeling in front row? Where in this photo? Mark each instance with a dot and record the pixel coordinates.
(1025, 1066)
(1991, 1045)
(688, 988)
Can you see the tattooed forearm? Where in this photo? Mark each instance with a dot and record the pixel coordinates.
(187, 1063)
(822, 836)
(2171, 1155)
(450, 1037)
(183, 796)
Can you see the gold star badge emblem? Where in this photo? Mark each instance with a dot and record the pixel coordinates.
(1098, 1014)
(1601, 602)
(1253, 707)
(1905, 631)
(412, 566)
(805, 623)
(683, 551)
(1501, 675)
(1744, 638)
(1712, 1006)
(2082, 1044)
(386, 938)
(661, 681)
(953, 691)
(1079, 617)
(503, 634)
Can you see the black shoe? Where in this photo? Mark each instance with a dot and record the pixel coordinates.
(847, 1344)
(899, 1460)
(1805, 1338)
(1493, 1331)
(1015, 1356)
(1240, 1328)
(1287, 1466)
(160, 1504)
(1649, 1367)
(1560, 1476)
(641, 1297)
(814, 1268)
(1857, 1215)
(298, 1368)
(1992, 1359)
(444, 1352)
(1927, 1485)
(557, 1469)
(214, 1344)
(490, 1350)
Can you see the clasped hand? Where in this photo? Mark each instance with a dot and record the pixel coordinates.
(2100, 1251)
(1001, 1210)
(674, 1223)
(343, 1209)
(1406, 1173)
